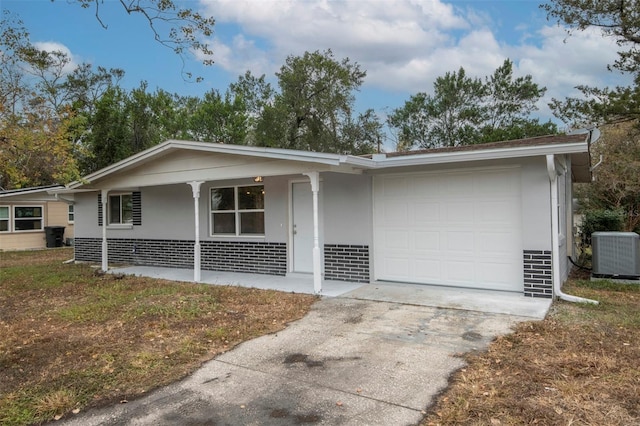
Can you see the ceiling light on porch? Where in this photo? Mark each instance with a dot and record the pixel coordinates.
(257, 179)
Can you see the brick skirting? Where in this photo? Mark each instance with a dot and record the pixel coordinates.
(343, 262)
(234, 256)
(538, 278)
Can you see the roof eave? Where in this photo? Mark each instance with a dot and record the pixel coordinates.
(262, 152)
(479, 155)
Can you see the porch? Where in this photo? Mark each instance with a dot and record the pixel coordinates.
(491, 301)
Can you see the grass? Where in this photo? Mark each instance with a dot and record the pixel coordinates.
(71, 339)
(580, 366)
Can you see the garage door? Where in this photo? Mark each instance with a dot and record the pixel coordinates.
(451, 228)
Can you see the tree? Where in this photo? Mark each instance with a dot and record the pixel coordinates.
(109, 138)
(619, 19)
(220, 119)
(508, 103)
(616, 184)
(465, 110)
(35, 150)
(184, 28)
(314, 107)
(616, 111)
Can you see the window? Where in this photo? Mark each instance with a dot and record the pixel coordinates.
(4, 218)
(27, 218)
(237, 210)
(71, 214)
(120, 209)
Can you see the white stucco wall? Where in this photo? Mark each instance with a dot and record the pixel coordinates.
(347, 209)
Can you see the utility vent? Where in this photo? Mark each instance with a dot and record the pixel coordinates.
(616, 254)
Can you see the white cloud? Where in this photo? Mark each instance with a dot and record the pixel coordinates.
(404, 45)
(52, 46)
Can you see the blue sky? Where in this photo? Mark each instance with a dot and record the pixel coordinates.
(403, 44)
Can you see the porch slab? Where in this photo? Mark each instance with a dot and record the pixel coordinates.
(495, 302)
(296, 283)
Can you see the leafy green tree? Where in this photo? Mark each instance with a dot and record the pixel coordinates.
(615, 110)
(220, 119)
(256, 94)
(449, 117)
(35, 149)
(314, 108)
(465, 110)
(619, 19)
(109, 139)
(616, 184)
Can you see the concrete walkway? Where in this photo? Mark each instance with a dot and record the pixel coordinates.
(348, 362)
(499, 302)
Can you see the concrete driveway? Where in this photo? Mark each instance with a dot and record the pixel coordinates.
(348, 362)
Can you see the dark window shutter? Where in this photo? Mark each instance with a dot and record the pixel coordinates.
(136, 199)
(99, 209)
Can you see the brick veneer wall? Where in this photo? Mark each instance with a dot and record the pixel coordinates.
(345, 262)
(538, 278)
(234, 256)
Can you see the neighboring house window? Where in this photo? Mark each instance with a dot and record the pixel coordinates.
(4, 218)
(71, 218)
(120, 209)
(27, 218)
(237, 210)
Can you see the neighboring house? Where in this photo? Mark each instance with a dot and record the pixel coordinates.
(26, 213)
(492, 216)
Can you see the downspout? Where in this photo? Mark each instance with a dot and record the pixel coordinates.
(555, 243)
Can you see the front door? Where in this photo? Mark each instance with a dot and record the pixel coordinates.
(302, 226)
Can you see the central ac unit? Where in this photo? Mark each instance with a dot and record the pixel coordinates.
(616, 255)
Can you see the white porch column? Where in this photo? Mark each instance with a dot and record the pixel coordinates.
(104, 194)
(314, 178)
(195, 188)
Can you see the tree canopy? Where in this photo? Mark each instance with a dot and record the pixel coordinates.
(314, 109)
(465, 110)
(619, 19)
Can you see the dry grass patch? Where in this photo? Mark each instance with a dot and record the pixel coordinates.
(580, 366)
(71, 338)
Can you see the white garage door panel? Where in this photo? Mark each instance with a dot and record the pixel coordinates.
(451, 228)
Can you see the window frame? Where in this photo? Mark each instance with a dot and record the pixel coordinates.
(119, 195)
(7, 219)
(15, 217)
(71, 214)
(237, 212)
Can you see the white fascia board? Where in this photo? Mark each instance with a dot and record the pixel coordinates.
(264, 152)
(489, 154)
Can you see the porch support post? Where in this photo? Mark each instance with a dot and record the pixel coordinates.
(195, 188)
(105, 255)
(314, 178)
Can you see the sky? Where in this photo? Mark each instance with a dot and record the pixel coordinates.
(404, 45)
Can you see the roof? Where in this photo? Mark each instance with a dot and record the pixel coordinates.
(575, 145)
(516, 143)
(28, 191)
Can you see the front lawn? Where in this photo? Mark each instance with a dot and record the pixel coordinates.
(71, 338)
(580, 366)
